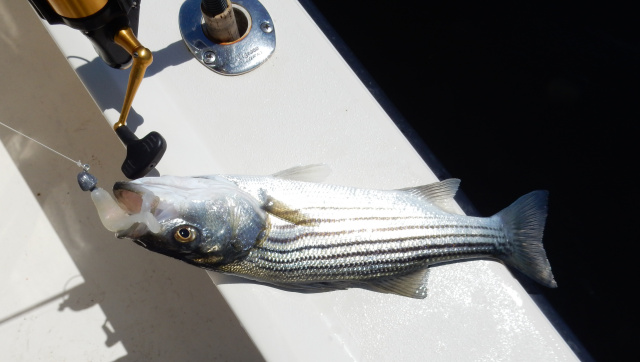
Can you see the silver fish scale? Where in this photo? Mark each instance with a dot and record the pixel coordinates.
(359, 247)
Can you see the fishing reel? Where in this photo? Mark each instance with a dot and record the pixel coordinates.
(111, 26)
(228, 38)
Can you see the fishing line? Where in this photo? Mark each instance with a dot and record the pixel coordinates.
(85, 167)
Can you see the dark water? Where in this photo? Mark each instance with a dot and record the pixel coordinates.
(521, 97)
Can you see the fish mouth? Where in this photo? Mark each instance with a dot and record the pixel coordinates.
(140, 204)
(133, 198)
(131, 213)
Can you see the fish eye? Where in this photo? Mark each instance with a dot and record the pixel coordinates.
(185, 234)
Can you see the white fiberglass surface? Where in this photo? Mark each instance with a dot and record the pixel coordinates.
(304, 106)
(71, 291)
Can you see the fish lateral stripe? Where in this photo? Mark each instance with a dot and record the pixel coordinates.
(311, 216)
(397, 241)
(314, 233)
(314, 274)
(366, 258)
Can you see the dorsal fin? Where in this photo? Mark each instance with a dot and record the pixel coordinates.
(439, 194)
(309, 173)
(413, 285)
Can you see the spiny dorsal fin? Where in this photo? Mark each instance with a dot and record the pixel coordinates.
(412, 285)
(309, 173)
(439, 194)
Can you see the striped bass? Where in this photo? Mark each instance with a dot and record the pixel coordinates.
(295, 234)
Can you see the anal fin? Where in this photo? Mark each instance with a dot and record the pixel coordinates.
(413, 285)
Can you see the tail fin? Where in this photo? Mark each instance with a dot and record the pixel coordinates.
(524, 224)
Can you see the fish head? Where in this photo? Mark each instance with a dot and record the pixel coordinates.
(202, 221)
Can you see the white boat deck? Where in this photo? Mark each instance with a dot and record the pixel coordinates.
(72, 291)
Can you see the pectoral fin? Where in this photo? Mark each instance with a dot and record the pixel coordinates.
(412, 285)
(284, 212)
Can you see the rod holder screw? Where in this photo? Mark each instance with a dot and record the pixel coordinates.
(209, 57)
